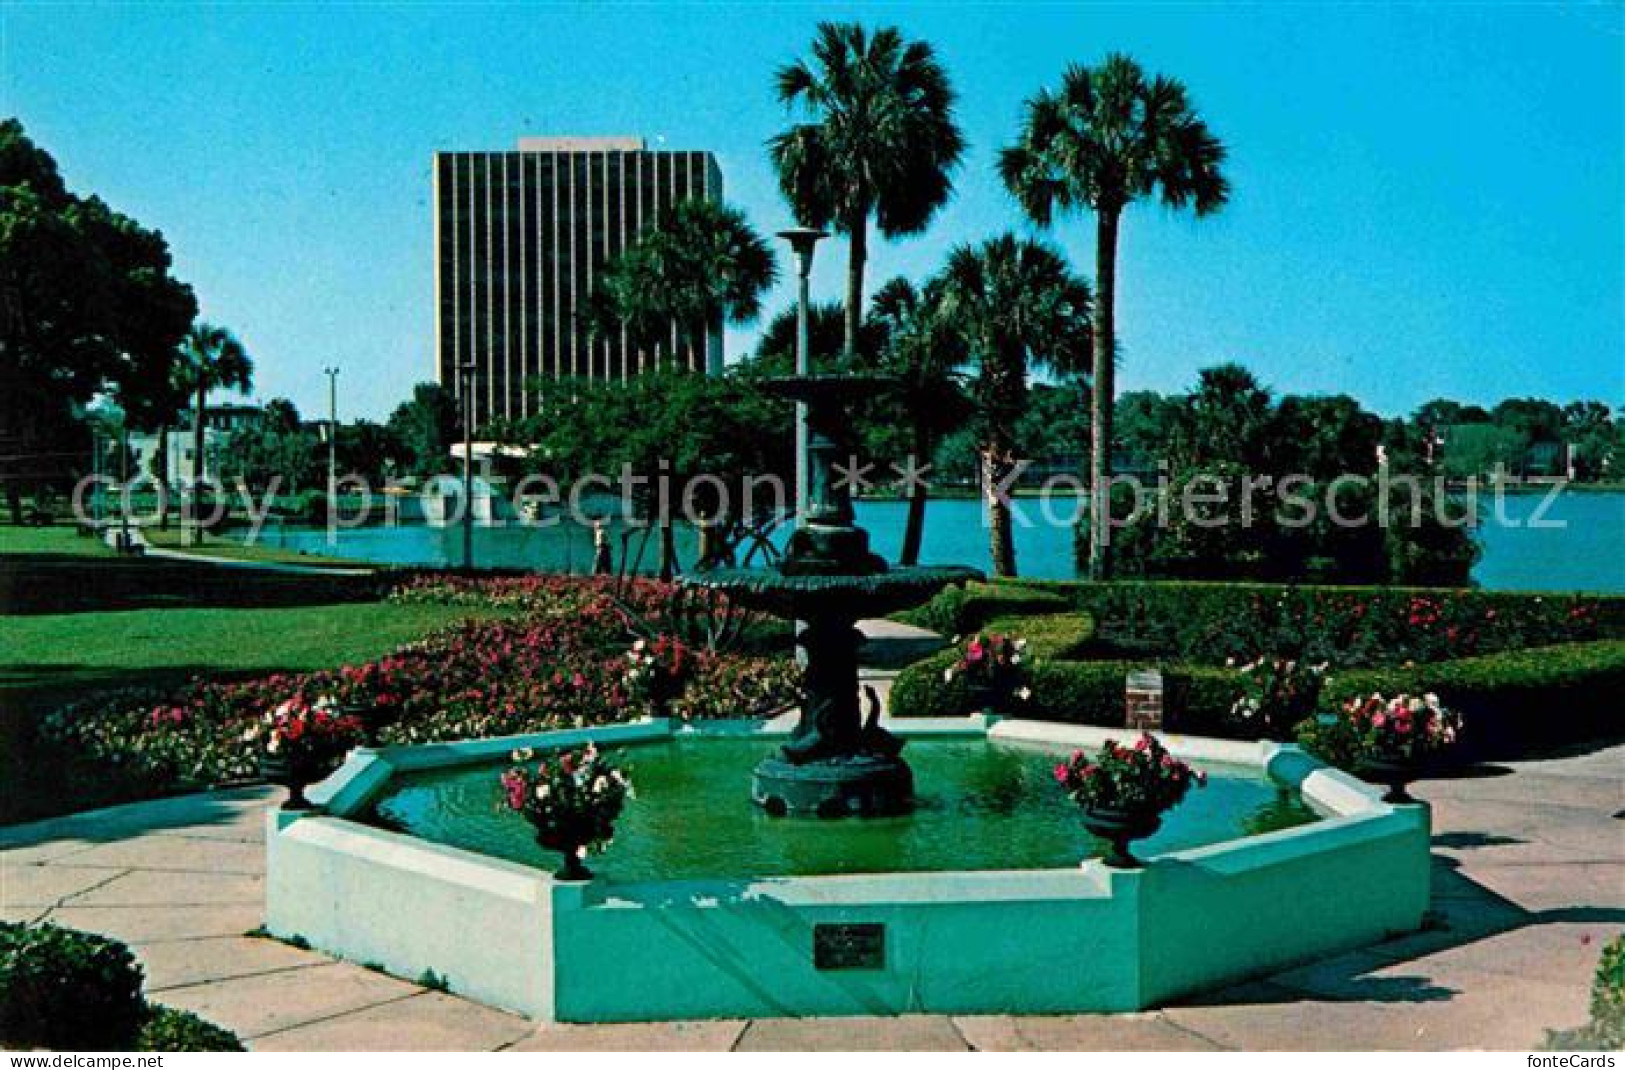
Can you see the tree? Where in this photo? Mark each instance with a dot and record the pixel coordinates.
(368, 451)
(425, 427)
(701, 264)
(1227, 418)
(1325, 437)
(211, 359)
(775, 352)
(880, 140)
(922, 353)
(671, 425)
(87, 306)
(1110, 136)
(1017, 307)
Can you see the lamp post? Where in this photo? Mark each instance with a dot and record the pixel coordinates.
(802, 240)
(467, 370)
(332, 447)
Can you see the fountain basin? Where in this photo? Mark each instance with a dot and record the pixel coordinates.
(1056, 938)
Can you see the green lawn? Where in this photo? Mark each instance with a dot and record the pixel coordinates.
(51, 540)
(50, 658)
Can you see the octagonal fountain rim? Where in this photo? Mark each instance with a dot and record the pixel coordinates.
(1084, 938)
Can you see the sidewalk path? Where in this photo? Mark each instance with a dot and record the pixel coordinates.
(1529, 884)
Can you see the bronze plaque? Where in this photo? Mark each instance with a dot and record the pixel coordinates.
(849, 946)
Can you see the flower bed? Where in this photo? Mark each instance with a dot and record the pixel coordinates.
(560, 662)
(1492, 654)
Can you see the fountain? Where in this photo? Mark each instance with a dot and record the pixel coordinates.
(836, 761)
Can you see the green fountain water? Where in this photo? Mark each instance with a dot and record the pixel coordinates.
(979, 806)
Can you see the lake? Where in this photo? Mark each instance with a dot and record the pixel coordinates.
(1577, 542)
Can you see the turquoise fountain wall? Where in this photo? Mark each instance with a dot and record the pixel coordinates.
(1083, 939)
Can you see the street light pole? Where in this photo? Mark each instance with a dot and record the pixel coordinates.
(332, 445)
(467, 370)
(802, 240)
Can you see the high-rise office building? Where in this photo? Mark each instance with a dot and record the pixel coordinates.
(519, 239)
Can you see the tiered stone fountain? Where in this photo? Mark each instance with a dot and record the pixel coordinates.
(837, 761)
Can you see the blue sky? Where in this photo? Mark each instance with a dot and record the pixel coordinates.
(1428, 200)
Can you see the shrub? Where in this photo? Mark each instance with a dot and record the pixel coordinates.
(1515, 700)
(1606, 1030)
(959, 610)
(1349, 626)
(60, 988)
(933, 687)
(1276, 693)
(168, 1029)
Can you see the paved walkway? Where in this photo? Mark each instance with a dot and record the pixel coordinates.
(1530, 882)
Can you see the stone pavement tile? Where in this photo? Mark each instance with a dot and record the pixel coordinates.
(915, 1032)
(154, 924)
(1592, 792)
(49, 851)
(1361, 977)
(48, 885)
(634, 1036)
(1455, 1006)
(1557, 886)
(189, 962)
(1079, 1032)
(162, 851)
(1589, 831)
(1477, 849)
(152, 888)
(1452, 921)
(430, 1021)
(1265, 1022)
(1562, 953)
(271, 1002)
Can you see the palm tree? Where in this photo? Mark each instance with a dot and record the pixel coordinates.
(1108, 137)
(1018, 307)
(701, 264)
(211, 359)
(880, 140)
(923, 354)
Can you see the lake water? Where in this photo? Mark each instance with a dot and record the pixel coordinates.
(1575, 542)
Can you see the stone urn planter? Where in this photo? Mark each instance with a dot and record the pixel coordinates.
(1395, 774)
(569, 848)
(1120, 828)
(295, 774)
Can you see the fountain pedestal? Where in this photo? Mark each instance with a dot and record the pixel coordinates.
(838, 759)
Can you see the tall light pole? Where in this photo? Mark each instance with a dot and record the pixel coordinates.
(467, 370)
(802, 240)
(332, 446)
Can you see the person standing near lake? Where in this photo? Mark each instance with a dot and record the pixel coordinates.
(603, 563)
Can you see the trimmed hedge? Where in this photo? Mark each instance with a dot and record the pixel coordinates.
(76, 991)
(962, 610)
(1514, 700)
(61, 988)
(1351, 626)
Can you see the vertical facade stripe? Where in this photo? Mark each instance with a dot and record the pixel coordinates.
(520, 242)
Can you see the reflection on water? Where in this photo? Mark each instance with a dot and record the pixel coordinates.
(1579, 554)
(982, 806)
